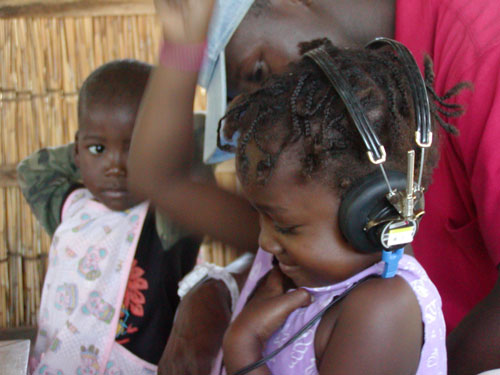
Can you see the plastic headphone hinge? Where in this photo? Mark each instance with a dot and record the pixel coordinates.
(391, 262)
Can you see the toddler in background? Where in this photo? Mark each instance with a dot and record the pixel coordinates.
(110, 293)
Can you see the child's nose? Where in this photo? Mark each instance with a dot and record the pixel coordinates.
(117, 165)
(266, 239)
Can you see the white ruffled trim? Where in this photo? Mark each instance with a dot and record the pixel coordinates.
(213, 271)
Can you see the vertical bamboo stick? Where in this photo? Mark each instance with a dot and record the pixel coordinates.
(3, 250)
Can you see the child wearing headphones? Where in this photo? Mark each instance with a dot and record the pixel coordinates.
(322, 305)
(302, 165)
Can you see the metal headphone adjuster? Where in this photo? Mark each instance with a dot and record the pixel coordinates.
(409, 203)
(381, 158)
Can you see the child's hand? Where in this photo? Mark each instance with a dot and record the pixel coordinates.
(270, 306)
(263, 314)
(184, 21)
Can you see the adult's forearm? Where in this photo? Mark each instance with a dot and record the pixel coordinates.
(159, 161)
(201, 321)
(474, 345)
(202, 318)
(162, 144)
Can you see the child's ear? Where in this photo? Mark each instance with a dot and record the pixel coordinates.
(76, 153)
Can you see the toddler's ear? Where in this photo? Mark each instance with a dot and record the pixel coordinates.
(76, 153)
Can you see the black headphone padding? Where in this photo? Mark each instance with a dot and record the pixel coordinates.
(366, 200)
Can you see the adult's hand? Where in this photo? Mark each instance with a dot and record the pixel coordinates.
(184, 21)
(201, 320)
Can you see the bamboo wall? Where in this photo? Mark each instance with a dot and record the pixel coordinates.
(43, 62)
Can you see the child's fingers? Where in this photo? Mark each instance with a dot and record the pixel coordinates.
(275, 311)
(275, 279)
(291, 301)
(272, 285)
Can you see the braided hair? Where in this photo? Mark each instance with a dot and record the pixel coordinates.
(301, 107)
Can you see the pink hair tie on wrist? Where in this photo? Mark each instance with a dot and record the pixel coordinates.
(183, 57)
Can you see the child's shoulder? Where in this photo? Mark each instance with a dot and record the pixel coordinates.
(380, 296)
(377, 312)
(388, 301)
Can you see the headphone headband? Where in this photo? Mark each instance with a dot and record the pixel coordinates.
(372, 216)
(423, 136)
(376, 152)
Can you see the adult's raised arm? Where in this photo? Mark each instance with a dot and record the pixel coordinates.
(162, 144)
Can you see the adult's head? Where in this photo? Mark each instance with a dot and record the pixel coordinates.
(107, 108)
(249, 40)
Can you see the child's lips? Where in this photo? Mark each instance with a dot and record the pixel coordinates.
(115, 194)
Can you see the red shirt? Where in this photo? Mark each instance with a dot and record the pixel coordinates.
(459, 239)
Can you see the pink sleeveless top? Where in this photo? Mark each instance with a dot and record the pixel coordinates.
(300, 358)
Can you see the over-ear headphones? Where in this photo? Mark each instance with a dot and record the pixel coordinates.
(382, 210)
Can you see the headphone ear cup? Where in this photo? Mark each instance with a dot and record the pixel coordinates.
(364, 201)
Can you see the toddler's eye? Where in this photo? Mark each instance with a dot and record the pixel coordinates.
(96, 149)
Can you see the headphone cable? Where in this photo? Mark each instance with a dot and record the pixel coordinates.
(309, 324)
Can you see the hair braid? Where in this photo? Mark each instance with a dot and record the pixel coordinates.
(456, 109)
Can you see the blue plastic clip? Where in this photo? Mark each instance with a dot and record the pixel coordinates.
(391, 260)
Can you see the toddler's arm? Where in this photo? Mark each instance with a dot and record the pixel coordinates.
(46, 177)
(162, 146)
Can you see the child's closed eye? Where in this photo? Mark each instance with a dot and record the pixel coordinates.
(96, 149)
(287, 230)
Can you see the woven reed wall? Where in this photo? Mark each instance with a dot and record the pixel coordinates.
(43, 62)
(216, 251)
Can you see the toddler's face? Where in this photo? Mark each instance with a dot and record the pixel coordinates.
(298, 225)
(101, 154)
